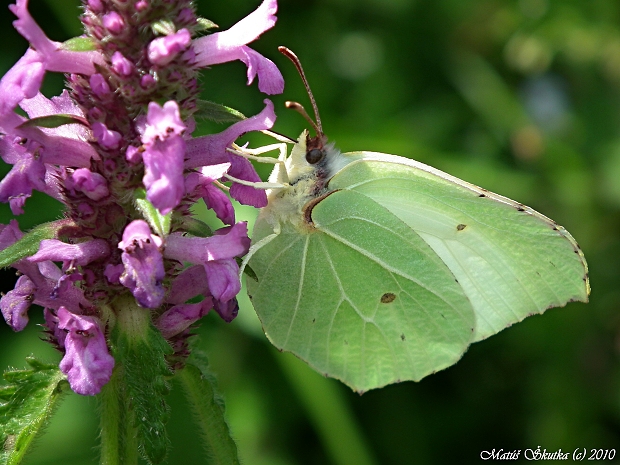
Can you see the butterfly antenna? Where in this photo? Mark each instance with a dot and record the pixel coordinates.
(296, 106)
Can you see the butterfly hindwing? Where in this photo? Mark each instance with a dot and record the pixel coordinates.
(361, 297)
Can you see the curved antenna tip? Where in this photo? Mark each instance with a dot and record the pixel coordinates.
(291, 56)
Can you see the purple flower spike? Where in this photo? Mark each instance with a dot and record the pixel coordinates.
(163, 157)
(87, 362)
(79, 254)
(230, 45)
(15, 303)
(144, 265)
(211, 150)
(180, 317)
(165, 49)
(52, 55)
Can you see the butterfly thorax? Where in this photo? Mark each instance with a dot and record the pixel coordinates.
(305, 177)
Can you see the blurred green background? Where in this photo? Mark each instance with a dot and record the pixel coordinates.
(521, 97)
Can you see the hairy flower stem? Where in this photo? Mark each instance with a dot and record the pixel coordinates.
(109, 407)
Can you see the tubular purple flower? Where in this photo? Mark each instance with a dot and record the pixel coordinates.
(163, 50)
(229, 45)
(227, 310)
(53, 57)
(95, 5)
(163, 122)
(53, 289)
(201, 185)
(93, 185)
(65, 145)
(163, 173)
(99, 85)
(113, 22)
(180, 317)
(121, 65)
(87, 362)
(79, 254)
(27, 173)
(21, 82)
(147, 82)
(113, 272)
(228, 243)
(106, 137)
(144, 266)
(56, 335)
(211, 150)
(39, 105)
(192, 281)
(15, 304)
(216, 254)
(223, 279)
(163, 156)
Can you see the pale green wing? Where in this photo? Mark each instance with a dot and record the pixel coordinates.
(362, 298)
(510, 260)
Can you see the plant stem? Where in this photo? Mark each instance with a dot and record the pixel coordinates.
(110, 421)
(209, 415)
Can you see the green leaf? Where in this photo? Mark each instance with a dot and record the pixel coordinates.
(29, 243)
(196, 227)
(140, 352)
(160, 223)
(79, 44)
(199, 387)
(53, 121)
(218, 113)
(26, 405)
(328, 408)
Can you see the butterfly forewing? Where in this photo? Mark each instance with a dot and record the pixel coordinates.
(510, 261)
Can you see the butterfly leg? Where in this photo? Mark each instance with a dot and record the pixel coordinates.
(256, 247)
(252, 154)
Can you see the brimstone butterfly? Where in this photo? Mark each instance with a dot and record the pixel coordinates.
(376, 269)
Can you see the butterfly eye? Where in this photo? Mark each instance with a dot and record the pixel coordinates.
(314, 156)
